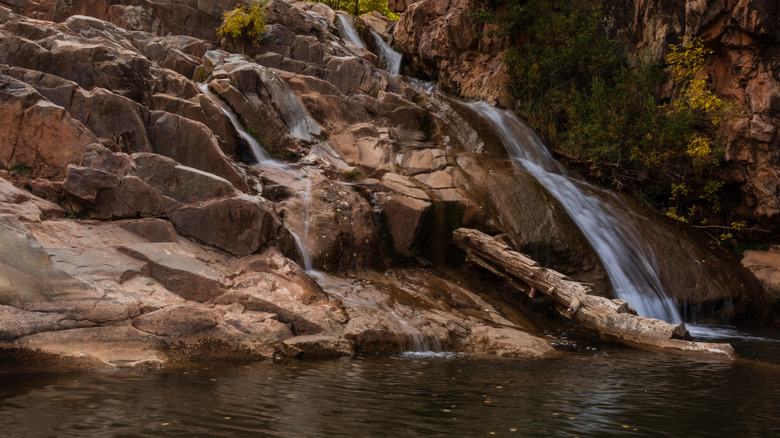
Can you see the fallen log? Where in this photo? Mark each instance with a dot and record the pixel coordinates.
(613, 319)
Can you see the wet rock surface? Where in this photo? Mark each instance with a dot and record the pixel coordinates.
(141, 225)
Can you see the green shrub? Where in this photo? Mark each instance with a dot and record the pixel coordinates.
(244, 24)
(20, 169)
(360, 7)
(355, 174)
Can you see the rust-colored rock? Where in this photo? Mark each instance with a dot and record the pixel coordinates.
(240, 226)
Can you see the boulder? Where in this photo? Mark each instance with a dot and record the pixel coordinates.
(177, 321)
(191, 144)
(36, 133)
(406, 218)
(177, 270)
(26, 206)
(765, 265)
(240, 225)
(501, 341)
(182, 183)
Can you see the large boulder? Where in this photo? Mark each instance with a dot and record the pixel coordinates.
(37, 134)
(239, 225)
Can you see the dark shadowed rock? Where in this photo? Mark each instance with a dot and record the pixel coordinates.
(240, 225)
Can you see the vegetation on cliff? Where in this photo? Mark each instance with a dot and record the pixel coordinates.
(360, 7)
(595, 104)
(244, 24)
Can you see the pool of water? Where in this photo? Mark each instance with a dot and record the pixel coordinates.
(600, 391)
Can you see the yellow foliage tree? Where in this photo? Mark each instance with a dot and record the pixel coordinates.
(244, 24)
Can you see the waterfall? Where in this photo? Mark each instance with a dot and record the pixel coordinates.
(263, 158)
(290, 108)
(257, 149)
(350, 33)
(391, 59)
(609, 228)
(308, 262)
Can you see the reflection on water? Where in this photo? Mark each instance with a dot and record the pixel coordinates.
(619, 392)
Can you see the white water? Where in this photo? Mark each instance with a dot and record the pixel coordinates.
(257, 149)
(629, 261)
(350, 33)
(391, 59)
(308, 262)
(290, 108)
(264, 159)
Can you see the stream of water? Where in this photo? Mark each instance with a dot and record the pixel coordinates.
(350, 33)
(391, 59)
(610, 229)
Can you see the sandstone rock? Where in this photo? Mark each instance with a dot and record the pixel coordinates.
(36, 133)
(366, 146)
(151, 229)
(443, 183)
(191, 144)
(26, 206)
(404, 186)
(205, 111)
(309, 346)
(240, 225)
(445, 45)
(184, 184)
(177, 270)
(507, 342)
(379, 24)
(29, 280)
(423, 160)
(103, 195)
(342, 235)
(177, 321)
(765, 265)
(405, 220)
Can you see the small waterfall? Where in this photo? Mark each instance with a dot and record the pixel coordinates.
(290, 108)
(610, 229)
(264, 159)
(300, 241)
(257, 149)
(350, 33)
(389, 57)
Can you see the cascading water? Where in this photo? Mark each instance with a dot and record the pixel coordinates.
(629, 260)
(258, 151)
(391, 59)
(308, 262)
(264, 159)
(350, 33)
(290, 108)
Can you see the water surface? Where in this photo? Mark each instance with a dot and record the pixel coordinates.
(599, 391)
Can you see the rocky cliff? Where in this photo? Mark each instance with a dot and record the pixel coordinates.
(443, 44)
(144, 222)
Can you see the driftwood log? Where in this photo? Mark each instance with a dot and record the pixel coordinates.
(613, 319)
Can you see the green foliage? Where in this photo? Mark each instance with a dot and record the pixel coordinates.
(244, 24)
(360, 7)
(355, 174)
(20, 169)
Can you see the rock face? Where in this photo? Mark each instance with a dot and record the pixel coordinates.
(743, 69)
(150, 223)
(445, 45)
